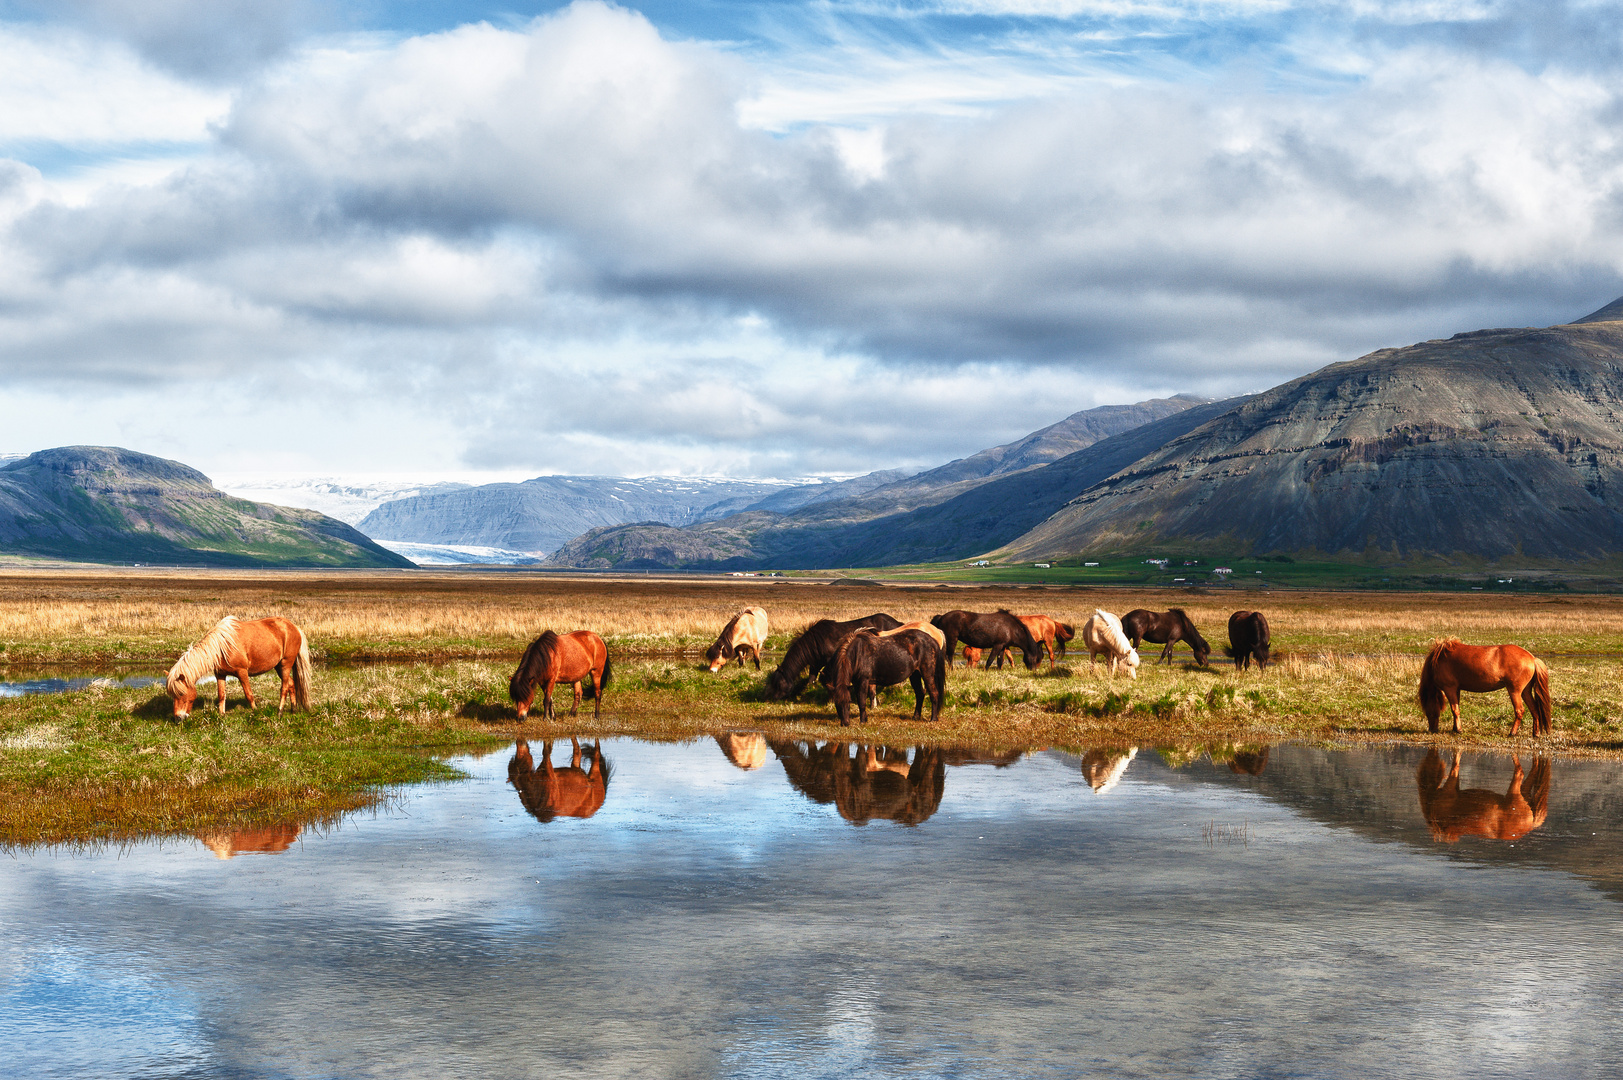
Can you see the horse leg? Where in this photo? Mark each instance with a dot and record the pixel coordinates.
(1166, 653)
(1454, 703)
(219, 690)
(756, 649)
(546, 699)
(575, 705)
(247, 686)
(1515, 707)
(597, 694)
(285, 670)
(918, 695)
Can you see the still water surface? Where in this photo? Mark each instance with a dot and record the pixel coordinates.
(742, 910)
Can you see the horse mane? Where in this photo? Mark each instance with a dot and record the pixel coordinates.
(723, 643)
(1440, 646)
(1123, 643)
(207, 656)
(533, 667)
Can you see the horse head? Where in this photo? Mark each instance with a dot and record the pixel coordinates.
(183, 690)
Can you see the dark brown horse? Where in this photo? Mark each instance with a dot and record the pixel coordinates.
(243, 647)
(549, 792)
(1452, 666)
(576, 657)
(878, 782)
(813, 649)
(1453, 813)
(993, 632)
(1165, 628)
(1248, 639)
(866, 662)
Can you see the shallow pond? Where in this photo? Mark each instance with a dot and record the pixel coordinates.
(733, 908)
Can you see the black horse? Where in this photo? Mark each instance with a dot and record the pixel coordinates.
(865, 662)
(813, 649)
(993, 632)
(1248, 639)
(1165, 628)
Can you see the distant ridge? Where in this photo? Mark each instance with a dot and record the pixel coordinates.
(108, 504)
(1492, 444)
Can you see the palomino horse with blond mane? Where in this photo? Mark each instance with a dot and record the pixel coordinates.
(1452, 666)
(576, 657)
(243, 647)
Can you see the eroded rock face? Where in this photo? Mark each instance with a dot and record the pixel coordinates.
(1490, 444)
(108, 504)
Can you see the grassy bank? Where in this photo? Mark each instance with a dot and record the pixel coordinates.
(108, 764)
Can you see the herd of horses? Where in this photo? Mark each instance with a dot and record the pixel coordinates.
(856, 658)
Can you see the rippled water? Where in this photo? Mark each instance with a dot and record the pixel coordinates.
(1283, 912)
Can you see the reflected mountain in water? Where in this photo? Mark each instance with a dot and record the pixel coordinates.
(1453, 813)
(262, 841)
(875, 782)
(548, 792)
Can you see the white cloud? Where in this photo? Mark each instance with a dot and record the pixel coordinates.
(578, 246)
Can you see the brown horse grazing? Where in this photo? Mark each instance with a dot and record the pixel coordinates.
(1048, 632)
(866, 662)
(1248, 639)
(573, 658)
(972, 655)
(550, 793)
(742, 636)
(993, 631)
(811, 651)
(1453, 813)
(243, 647)
(1165, 628)
(1452, 666)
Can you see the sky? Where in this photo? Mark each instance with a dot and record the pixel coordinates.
(773, 239)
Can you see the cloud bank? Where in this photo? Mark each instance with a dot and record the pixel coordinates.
(582, 244)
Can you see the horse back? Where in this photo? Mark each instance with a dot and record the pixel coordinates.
(265, 643)
(579, 653)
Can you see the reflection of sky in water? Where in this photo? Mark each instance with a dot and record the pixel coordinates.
(23, 687)
(715, 922)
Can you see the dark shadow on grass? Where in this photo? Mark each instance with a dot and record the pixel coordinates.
(159, 707)
(489, 712)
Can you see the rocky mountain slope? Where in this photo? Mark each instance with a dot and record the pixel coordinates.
(961, 508)
(1488, 445)
(106, 504)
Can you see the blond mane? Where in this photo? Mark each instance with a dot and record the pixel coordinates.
(207, 656)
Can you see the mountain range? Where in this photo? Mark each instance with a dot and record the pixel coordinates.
(107, 504)
(1489, 445)
(546, 513)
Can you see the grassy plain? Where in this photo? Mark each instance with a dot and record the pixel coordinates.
(108, 763)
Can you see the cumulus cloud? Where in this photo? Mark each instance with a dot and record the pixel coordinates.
(664, 253)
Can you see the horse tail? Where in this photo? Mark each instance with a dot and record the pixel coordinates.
(1430, 696)
(1539, 698)
(301, 674)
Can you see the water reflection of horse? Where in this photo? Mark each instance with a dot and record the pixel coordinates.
(576, 657)
(746, 749)
(243, 647)
(1452, 666)
(1453, 813)
(266, 840)
(548, 792)
(1102, 768)
(878, 782)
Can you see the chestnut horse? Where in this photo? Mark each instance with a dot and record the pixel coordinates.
(243, 647)
(1452, 666)
(550, 660)
(549, 793)
(1453, 813)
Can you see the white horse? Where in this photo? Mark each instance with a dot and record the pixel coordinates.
(1102, 633)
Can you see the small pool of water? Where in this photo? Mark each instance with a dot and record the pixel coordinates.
(743, 908)
(62, 685)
